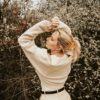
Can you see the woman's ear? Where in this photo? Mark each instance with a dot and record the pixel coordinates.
(61, 48)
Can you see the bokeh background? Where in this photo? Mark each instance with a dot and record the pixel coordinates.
(18, 80)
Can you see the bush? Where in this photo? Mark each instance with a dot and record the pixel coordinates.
(15, 70)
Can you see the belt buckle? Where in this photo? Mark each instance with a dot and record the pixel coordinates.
(57, 91)
(44, 92)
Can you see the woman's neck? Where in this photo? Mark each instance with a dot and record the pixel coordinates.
(57, 53)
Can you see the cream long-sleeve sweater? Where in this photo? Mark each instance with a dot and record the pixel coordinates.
(52, 70)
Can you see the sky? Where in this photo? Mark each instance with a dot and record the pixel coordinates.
(36, 3)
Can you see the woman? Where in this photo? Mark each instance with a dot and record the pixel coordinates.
(53, 64)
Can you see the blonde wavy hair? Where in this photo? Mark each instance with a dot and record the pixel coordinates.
(70, 45)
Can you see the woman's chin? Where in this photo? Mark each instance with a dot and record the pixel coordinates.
(47, 47)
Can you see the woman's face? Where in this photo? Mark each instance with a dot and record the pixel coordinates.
(52, 41)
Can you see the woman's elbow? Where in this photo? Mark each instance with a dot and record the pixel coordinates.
(19, 40)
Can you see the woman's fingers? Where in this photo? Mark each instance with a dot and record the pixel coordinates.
(53, 25)
(49, 26)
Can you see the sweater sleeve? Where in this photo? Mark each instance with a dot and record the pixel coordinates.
(34, 54)
(26, 40)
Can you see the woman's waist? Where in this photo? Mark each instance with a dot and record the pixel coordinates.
(51, 87)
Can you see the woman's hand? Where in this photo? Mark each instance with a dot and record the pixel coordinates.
(53, 24)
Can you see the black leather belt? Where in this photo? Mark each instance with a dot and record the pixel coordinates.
(52, 92)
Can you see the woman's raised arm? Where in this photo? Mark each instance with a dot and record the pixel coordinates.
(26, 40)
(62, 25)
